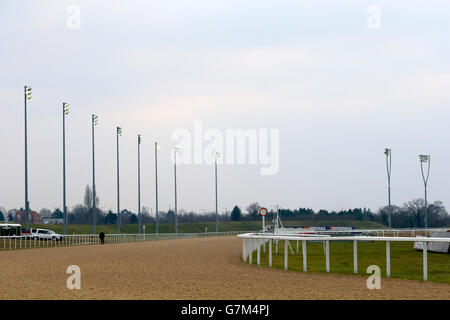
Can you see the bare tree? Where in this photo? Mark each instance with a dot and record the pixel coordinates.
(414, 210)
(88, 194)
(45, 212)
(252, 209)
(79, 214)
(88, 197)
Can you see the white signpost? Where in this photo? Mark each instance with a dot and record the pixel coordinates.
(263, 212)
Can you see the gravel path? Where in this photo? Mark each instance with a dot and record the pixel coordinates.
(182, 269)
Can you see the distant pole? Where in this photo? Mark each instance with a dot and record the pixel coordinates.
(118, 134)
(65, 112)
(94, 123)
(175, 150)
(425, 159)
(27, 96)
(216, 156)
(139, 184)
(156, 189)
(388, 153)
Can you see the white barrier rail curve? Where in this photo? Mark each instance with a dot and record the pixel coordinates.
(253, 241)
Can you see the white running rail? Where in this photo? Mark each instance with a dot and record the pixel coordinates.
(26, 242)
(254, 241)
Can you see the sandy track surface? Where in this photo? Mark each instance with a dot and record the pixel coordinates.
(181, 269)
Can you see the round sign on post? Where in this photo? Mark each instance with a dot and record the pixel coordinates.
(263, 212)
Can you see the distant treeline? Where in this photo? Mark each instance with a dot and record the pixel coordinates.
(410, 215)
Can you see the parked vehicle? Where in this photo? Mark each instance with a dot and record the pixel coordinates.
(44, 234)
(10, 229)
(26, 233)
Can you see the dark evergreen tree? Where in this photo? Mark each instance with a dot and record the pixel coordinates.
(236, 214)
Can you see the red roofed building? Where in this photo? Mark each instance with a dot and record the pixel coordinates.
(33, 218)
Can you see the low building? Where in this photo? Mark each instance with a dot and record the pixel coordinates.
(52, 221)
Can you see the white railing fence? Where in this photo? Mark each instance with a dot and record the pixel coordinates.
(24, 242)
(373, 232)
(254, 242)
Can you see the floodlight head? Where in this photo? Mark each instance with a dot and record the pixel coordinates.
(424, 158)
(119, 131)
(28, 92)
(66, 108)
(176, 149)
(387, 152)
(139, 139)
(94, 119)
(156, 146)
(216, 154)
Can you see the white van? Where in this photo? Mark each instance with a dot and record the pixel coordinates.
(43, 234)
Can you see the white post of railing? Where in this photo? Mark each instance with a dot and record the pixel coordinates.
(270, 252)
(258, 258)
(264, 245)
(251, 251)
(297, 247)
(286, 247)
(355, 256)
(276, 247)
(327, 255)
(388, 259)
(244, 243)
(425, 261)
(304, 255)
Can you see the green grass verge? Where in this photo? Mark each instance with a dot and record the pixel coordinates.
(197, 227)
(406, 262)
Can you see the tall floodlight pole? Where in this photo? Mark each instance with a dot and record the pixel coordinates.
(118, 134)
(425, 159)
(27, 96)
(139, 183)
(388, 154)
(175, 151)
(216, 156)
(94, 213)
(65, 112)
(156, 187)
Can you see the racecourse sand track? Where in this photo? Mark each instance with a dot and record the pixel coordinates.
(204, 268)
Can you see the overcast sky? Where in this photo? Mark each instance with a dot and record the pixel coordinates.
(338, 88)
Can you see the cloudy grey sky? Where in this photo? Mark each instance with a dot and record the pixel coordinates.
(338, 91)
